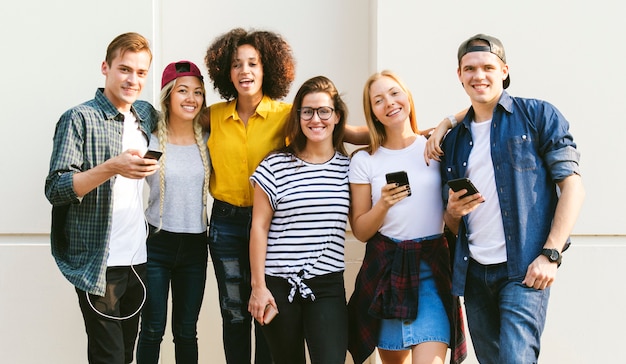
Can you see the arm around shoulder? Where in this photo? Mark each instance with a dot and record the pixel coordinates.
(433, 145)
(357, 135)
(205, 119)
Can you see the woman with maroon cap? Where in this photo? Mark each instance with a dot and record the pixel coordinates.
(176, 214)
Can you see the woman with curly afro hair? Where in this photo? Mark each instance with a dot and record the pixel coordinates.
(252, 71)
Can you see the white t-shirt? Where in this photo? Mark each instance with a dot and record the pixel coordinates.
(417, 216)
(485, 228)
(127, 244)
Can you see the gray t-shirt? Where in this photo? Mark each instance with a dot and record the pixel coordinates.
(184, 179)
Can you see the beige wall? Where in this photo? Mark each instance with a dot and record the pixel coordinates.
(565, 52)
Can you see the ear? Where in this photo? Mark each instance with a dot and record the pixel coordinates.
(505, 71)
(104, 68)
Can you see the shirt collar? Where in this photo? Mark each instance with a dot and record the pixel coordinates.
(505, 102)
(263, 108)
(110, 111)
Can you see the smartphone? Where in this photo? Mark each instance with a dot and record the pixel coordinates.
(400, 177)
(463, 183)
(269, 313)
(153, 154)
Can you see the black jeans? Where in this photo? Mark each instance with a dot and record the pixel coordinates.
(322, 323)
(111, 341)
(229, 242)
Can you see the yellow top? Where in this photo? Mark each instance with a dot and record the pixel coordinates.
(236, 149)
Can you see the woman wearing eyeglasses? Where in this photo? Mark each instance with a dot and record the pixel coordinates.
(251, 71)
(301, 203)
(402, 302)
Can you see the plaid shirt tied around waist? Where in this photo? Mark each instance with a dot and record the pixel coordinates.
(387, 287)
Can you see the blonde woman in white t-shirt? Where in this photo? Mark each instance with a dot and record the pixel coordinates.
(407, 258)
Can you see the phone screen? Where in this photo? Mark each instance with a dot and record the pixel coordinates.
(463, 183)
(153, 154)
(400, 177)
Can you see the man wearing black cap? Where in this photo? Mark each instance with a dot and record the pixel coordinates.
(510, 235)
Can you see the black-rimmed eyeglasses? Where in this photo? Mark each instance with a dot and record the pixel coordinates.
(324, 112)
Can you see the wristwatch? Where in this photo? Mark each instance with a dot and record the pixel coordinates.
(553, 256)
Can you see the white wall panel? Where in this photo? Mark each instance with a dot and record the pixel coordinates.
(567, 53)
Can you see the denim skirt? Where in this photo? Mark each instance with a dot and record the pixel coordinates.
(431, 323)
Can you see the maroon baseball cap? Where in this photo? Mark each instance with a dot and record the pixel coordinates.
(179, 69)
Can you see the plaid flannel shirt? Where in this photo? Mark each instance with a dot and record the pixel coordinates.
(86, 136)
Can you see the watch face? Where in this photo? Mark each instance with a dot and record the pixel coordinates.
(551, 254)
(554, 255)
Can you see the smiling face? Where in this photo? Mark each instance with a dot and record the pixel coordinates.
(482, 74)
(125, 78)
(389, 103)
(246, 72)
(317, 130)
(186, 98)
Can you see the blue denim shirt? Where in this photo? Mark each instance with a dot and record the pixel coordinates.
(531, 150)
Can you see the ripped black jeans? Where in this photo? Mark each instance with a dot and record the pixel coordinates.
(229, 240)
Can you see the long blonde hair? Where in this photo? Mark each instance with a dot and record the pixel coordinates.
(162, 133)
(376, 128)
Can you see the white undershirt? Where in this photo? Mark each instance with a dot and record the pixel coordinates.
(485, 230)
(128, 227)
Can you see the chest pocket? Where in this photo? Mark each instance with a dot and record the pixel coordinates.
(523, 154)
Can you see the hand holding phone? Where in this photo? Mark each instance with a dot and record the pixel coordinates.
(463, 184)
(153, 154)
(400, 177)
(269, 314)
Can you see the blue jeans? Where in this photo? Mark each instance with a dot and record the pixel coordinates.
(229, 242)
(505, 318)
(179, 260)
(323, 323)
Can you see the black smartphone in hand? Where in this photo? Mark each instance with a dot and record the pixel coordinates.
(463, 183)
(153, 154)
(400, 177)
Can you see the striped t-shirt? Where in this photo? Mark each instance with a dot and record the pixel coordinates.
(310, 203)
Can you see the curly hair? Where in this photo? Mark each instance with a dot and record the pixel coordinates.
(276, 58)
